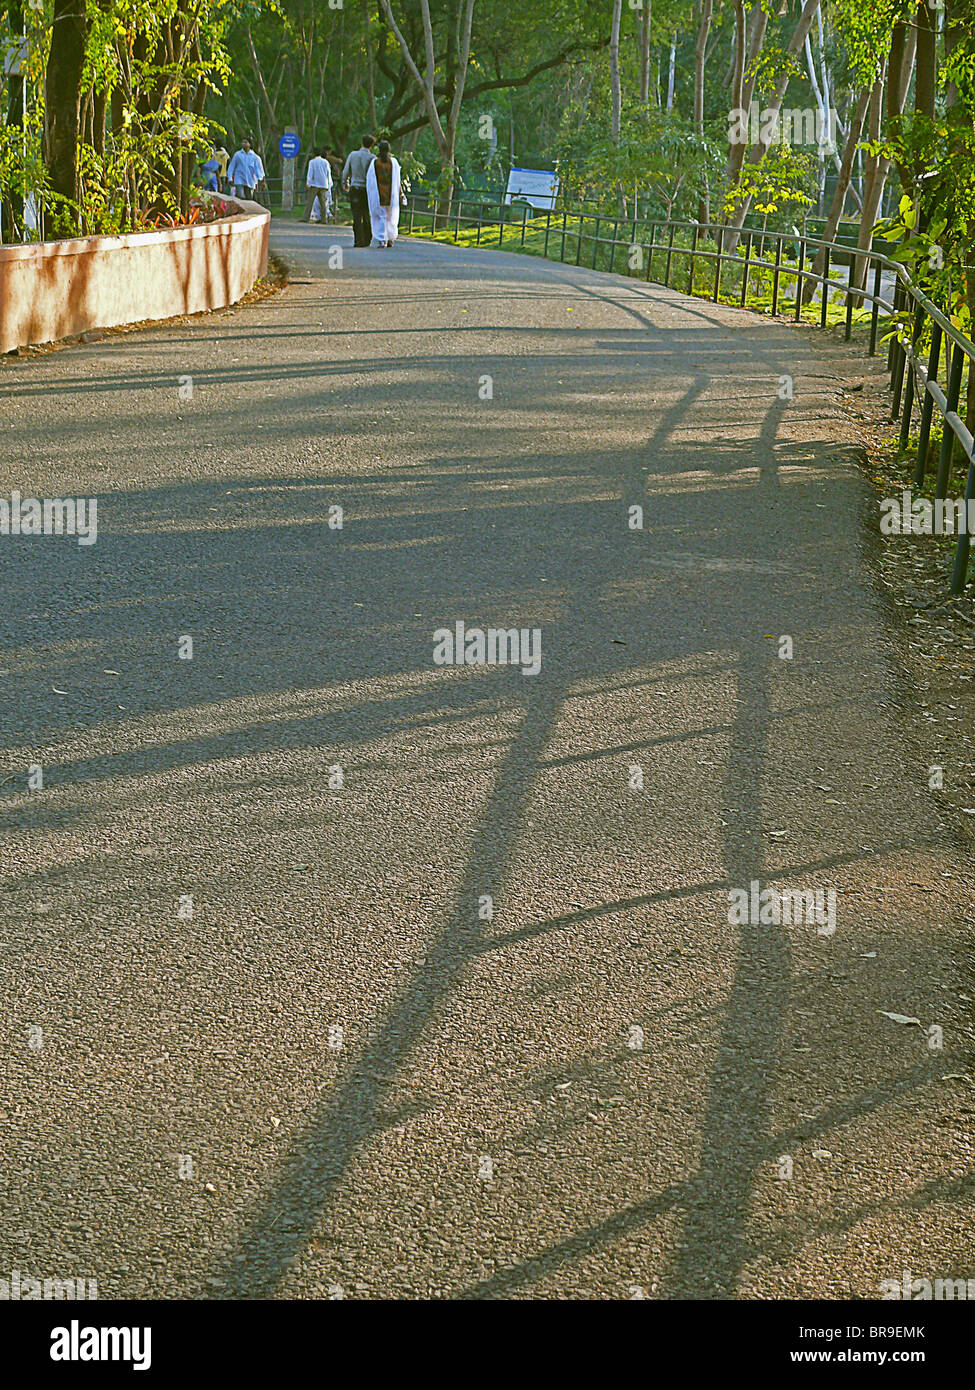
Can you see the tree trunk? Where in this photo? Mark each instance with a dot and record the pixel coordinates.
(311, 123)
(756, 38)
(738, 71)
(62, 101)
(700, 57)
(670, 77)
(758, 151)
(99, 119)
(926, 66)
(15, 116)
(956, 20)
(898, 81)
(614, 69)
(824, 121)
(700, 51)
(645, 57)
(459, 52)
(835, 213)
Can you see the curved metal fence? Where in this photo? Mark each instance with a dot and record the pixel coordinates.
(898, 308)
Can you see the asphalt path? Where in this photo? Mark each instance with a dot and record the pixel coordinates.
(348, 1073)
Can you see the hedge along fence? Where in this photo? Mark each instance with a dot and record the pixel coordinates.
(57, 289)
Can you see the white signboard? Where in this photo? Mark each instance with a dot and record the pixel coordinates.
(540, 187)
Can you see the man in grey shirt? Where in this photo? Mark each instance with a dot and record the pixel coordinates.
(354, 182)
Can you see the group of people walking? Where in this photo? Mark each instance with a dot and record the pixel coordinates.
(370, 177)
(373, 183)
(241, 176)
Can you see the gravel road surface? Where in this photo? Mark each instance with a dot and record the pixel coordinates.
(329, 971)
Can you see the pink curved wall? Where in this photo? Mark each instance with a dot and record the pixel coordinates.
(56, 289)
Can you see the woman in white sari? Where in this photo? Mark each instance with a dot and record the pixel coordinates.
(383, 191)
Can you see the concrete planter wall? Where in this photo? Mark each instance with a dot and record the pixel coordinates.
(57, 289)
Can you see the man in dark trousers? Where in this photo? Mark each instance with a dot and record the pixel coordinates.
(354, 182)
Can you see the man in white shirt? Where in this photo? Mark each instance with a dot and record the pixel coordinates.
(245, 171)
(319, 184)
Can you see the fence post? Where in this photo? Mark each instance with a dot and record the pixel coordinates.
(897, 381)
(579, 238)
(717, 265)
(927, 405)
(775, 276)
(690, 272)
(565, 218)
(905, 433)
(747, 267)
(799, 282)
(823, 305)
(948, 437)
(595, 243)
(875, 311)
(653, 237)
(548, 229)
(670, 252)
(960, 571)
(892, 345)
(524, 223)
(909, 387)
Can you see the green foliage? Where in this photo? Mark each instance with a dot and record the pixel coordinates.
(935, 221)
(659, 158)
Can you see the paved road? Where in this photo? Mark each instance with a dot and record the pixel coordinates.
(371, 1085)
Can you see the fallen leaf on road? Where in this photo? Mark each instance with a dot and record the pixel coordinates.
(898, 1018)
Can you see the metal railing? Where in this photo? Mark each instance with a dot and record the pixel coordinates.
(909, 317)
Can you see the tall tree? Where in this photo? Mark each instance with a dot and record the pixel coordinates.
(706, 8)
(759, 150)
(62, 96)
(460, 22)
(899, 66)
(15, 106)
(757, 26)
(835, 213)
(614, 71)
(645, 47)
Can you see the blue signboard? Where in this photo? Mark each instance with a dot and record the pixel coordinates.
(289, 145)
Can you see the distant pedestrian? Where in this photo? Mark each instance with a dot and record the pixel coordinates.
(211, 172)
(335, 164)
(246, 171)
(383, 189)
(319, 185)
(223, 158)
(354, 182)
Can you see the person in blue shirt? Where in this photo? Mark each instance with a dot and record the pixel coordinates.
(211, 171)
(245, 171)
